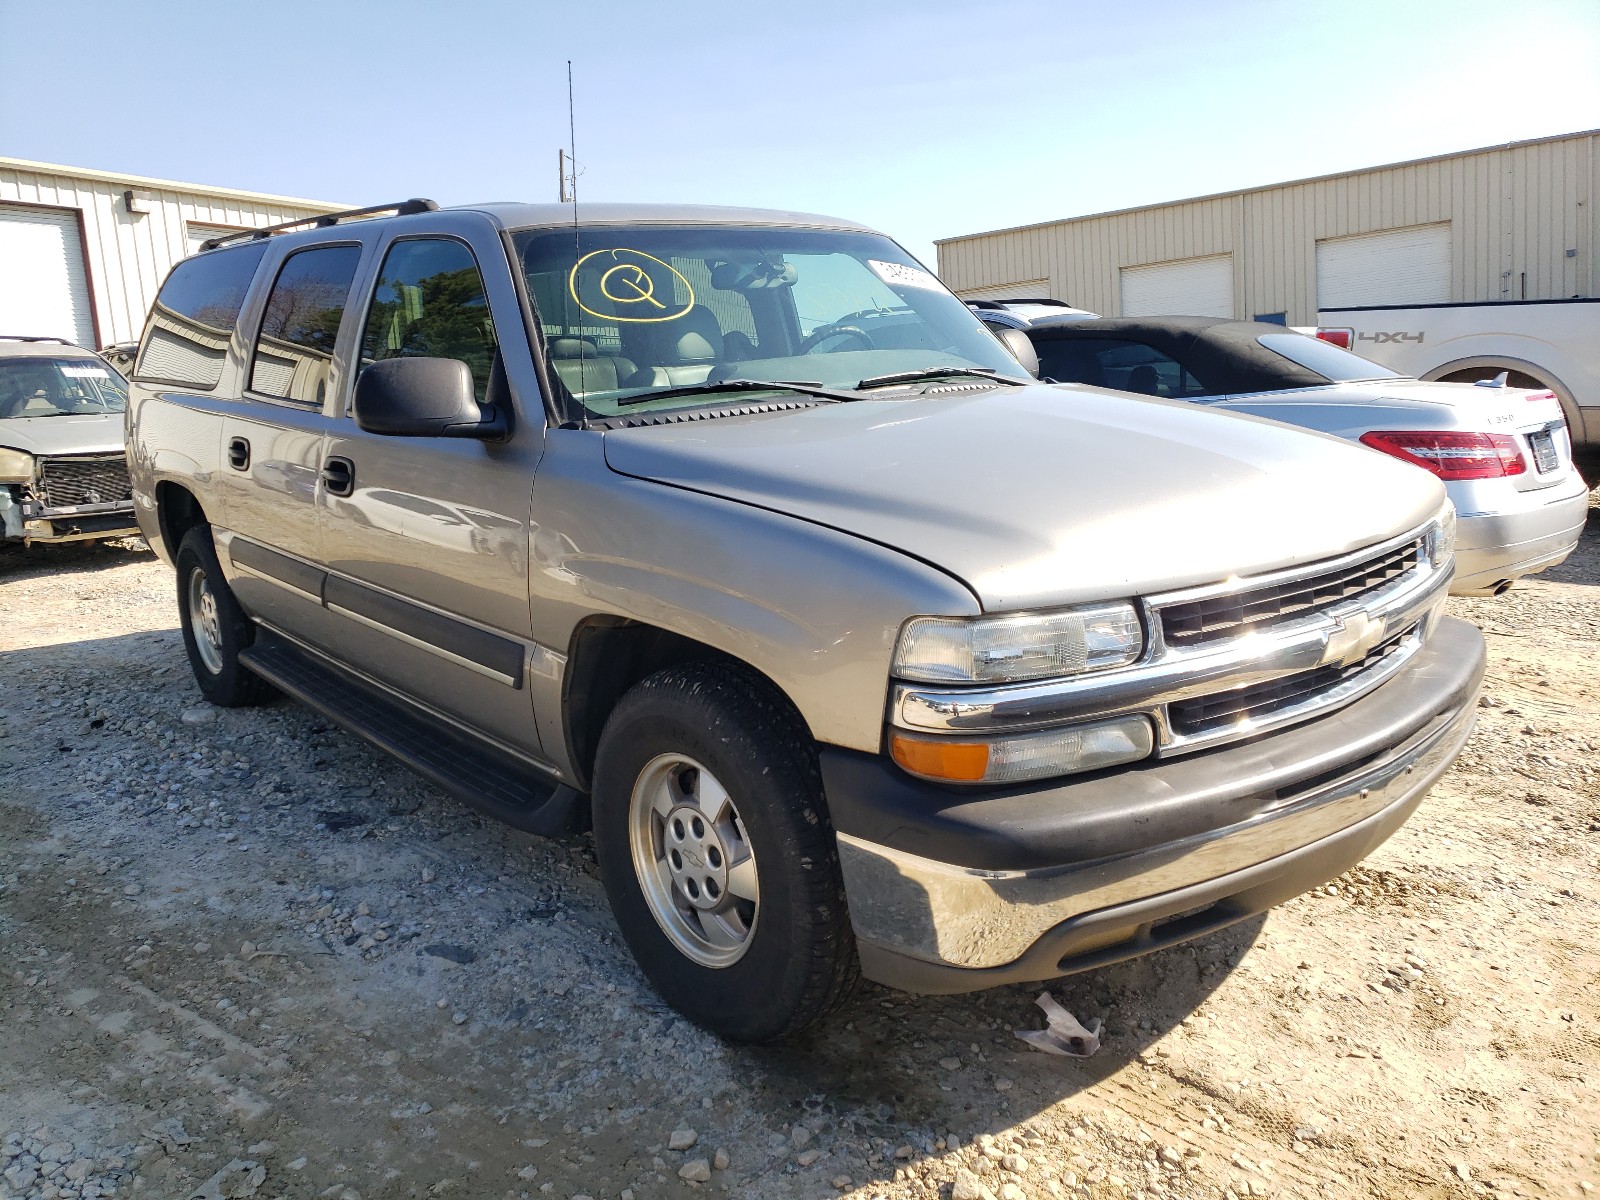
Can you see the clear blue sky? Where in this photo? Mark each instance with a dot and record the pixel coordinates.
(927, 119)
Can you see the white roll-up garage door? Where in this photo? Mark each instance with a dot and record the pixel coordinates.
(1397, 266)
(1188, 287)
(44, 289)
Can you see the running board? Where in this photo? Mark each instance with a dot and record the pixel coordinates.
(468, 768)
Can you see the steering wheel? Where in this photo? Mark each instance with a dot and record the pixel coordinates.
(822, 339)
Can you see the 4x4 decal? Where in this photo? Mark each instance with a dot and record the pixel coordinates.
(1380, 339)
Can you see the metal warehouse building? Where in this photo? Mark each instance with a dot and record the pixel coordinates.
(1513, 222)
(82, 252)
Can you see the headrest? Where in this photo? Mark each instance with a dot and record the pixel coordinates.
(695, 336)
(573, 347)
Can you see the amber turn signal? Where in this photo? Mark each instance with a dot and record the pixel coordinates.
(959, 762)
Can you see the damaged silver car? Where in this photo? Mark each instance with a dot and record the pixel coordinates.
(63, 472)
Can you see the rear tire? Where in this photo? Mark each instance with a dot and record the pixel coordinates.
(215, 628)
(718, 856)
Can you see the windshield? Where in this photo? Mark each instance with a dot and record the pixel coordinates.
(637, 318)
(1326, 359)
(59, 387)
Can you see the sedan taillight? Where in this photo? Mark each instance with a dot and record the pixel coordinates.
(1452, 455)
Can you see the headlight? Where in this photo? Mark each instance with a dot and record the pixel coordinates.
(1044, 754)
(1442, 536)
(15, 466)
(1008, 649)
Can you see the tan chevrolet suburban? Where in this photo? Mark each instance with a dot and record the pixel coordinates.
(734, 536)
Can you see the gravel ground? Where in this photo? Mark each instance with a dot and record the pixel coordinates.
(246, 956)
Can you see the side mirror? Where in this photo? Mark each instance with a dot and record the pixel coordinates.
(424, 397)
(1021, 347)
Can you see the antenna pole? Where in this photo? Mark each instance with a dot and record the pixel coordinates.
(569, 194)
(572, 143)
(561, 177)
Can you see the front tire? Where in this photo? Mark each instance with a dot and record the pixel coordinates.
(718, 856)
(215, 628)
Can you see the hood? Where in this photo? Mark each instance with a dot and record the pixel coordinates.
(86, 433)
(1041, 495)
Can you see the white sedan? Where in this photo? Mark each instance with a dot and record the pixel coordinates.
(1504, 453)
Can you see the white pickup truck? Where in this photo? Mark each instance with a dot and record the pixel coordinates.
(1550, 344)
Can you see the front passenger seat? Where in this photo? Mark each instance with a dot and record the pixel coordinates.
(581, 366)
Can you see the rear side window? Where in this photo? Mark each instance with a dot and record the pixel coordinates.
(430, 303)
(193, 318)
(294, 349)
(1127, 366)
(1326, 359)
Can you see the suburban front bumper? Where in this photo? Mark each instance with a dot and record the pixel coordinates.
(953, 891)
(1492, 548)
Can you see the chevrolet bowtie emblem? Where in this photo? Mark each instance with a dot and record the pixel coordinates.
(1355, 638)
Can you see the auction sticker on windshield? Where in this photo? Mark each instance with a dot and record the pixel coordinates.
(900, 275)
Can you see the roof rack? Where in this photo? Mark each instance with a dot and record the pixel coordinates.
(403, 209)
(34, 337)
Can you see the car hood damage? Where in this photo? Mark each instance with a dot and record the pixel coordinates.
(1041, 495)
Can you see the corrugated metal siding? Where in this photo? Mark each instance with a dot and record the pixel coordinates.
(128, 255)
(1514, 211)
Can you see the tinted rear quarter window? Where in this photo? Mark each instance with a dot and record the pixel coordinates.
(194, 316)
(294, 349)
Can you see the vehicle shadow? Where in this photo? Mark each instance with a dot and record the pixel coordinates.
(29, 562)
(1583, 564)
(910, 1069)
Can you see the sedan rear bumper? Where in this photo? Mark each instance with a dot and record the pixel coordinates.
(953, 892)
(1496, 548)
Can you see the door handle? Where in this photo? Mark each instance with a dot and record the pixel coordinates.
(339, 476)
(239, 454)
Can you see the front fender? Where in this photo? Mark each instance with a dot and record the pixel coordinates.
(815, 610)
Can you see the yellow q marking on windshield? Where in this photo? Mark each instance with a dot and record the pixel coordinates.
(628, 282)
(635, 283)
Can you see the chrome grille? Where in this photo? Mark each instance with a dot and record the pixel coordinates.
(1216, 618)
(69, 482)
(1206, 713)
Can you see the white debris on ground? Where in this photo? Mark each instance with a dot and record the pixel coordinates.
(1062, 1033)
(252, 940)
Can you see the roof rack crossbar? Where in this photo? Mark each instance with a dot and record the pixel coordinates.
(322, 221)
(33, 337)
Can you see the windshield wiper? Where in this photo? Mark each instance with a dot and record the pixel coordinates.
(933, 373)
(804, 387)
